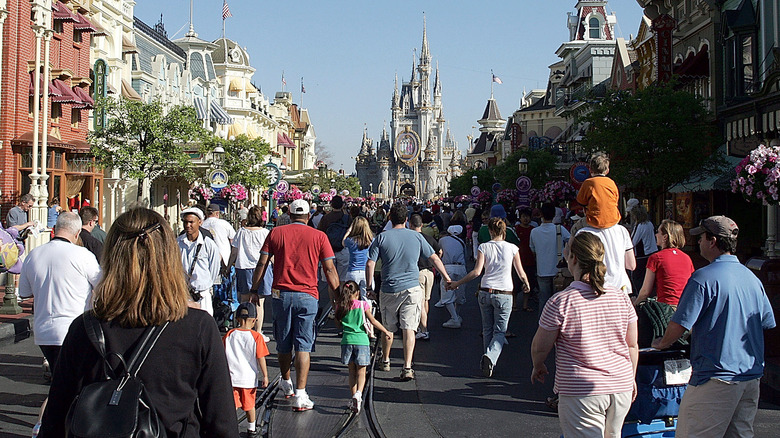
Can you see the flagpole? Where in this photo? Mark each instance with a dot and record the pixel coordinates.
(302, 92)
(491, 83)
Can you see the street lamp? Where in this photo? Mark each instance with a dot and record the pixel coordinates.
(522, 165)
(332, 183)
(474, 180)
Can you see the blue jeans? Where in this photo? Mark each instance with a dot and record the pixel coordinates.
(495, 309)
(294, 314)
(546, 290)
(360, 354)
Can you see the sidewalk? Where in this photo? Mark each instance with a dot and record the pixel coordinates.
(16, 327)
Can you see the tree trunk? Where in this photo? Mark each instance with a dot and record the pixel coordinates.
(140, 192)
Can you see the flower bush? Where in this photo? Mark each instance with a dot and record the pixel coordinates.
(758, 174)
(507, 197)
(326, 197)
(484, 197)
(234, 193)
(201, 193)
(554, 191)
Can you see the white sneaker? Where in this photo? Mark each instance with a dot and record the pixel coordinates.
(439, 304)
(286, 388)
(452, 323)
(422, 336)
(302, 403)
(265, 338)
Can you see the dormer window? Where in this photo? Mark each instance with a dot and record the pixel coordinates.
(594, 25)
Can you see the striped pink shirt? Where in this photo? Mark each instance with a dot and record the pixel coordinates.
(592, 355)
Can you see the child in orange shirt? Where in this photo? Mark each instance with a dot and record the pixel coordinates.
(600, 194)
(246, 350)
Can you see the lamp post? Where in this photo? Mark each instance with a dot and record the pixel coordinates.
(523, 184)
(474, 180)
(522, 165)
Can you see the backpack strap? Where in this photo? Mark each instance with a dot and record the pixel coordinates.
(143, 350)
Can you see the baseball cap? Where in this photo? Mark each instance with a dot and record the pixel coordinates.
(717, 225)
(299, 206)
(193, 210)
(213, 207)
(498, 211)
(246, 310)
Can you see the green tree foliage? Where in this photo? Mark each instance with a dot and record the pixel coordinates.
(145, 140)
(541, 166)
(242, 160)
(655, 138)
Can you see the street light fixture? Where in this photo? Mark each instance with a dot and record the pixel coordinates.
(474, 180)
(522, 165)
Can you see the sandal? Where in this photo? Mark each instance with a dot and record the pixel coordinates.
(552, 402)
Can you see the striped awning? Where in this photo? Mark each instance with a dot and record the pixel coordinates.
(129, 93)
(52, 91)
(236, 85)
(83, 24)
(219, 115)
(235, 130)
(86, 101)
(66, 95)
(200, 108)
(62, 13)
(283, 139)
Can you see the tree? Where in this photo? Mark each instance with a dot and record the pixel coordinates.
(655, 138)
(146, 140)
(242, 160)
(322, 153)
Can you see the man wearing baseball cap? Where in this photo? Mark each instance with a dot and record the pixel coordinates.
(200, 259)
(297, 250)
(726, 309)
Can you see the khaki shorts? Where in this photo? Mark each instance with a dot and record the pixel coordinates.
(426, 282)
(594, 416)
(718, 408)
(402, 309)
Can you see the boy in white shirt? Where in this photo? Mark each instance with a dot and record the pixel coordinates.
(246, 350)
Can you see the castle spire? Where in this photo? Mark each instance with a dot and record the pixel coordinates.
(396, 96)
(436, 83)
(414, 67)
(425, 54)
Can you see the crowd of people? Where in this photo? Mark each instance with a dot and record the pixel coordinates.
(571, 271)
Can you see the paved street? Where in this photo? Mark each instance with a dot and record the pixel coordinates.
(449, 397)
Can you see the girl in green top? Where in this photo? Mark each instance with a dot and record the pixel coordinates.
(352, 313)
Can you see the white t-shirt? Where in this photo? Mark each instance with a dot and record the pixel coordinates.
(644, 236)
(498, 264)
(453, 250)
(544, 243)
(616, 242)
(60, 275)
(249, 242)
(243, 348)
(223, 233)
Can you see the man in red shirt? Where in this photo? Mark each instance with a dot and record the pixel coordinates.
(297, 250)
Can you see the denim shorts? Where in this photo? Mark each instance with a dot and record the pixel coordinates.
(244, 281)
(294, 315)
(359, 354)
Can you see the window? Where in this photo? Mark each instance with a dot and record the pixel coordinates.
(741, 61)
(747, 64)
(30, 106)
(57, 25)
(56, 112)
(76, 36)
(75, 117)
(595, 28)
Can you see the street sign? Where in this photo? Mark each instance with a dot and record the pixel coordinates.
(475, 191)
(523, 185)
(282, 186)
(316, 189)
(218, 179)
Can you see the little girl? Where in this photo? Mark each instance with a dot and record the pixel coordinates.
(352, 313)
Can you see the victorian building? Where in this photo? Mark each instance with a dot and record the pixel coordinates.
(418, 157)
(487, 150)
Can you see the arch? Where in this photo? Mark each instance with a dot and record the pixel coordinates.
(594, 25)
(553, 132)
(532, 133)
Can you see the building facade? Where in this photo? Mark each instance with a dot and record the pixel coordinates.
(418, 157)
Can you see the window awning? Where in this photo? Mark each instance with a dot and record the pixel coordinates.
(66, 95)
(62, 13)
(249, 87)
(236, 85)
(129, 93)
(695, 66)
(283, 140)
(52, 91)
(128, 46)
(200, 108)
(79, 146)
(219, 115)
(86, 101)
(251, 132)
(83, 24)
(235, 130)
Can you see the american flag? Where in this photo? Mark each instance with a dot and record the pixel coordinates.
(497, 80)
(303, 90)
(225, 10)
(284, 82)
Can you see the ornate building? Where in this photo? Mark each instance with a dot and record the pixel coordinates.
(419, 156)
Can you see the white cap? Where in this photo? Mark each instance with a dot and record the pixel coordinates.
(633, 202)
(455, 229)
(299, 206)
(193, 210)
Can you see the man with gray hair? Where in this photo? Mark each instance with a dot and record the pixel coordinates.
(61, 276)
(725, 307)
(17, 216)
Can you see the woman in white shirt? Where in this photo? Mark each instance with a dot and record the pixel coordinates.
(248, 242)
(495, 292)
(643, 235)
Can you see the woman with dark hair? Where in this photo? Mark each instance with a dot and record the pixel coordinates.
(668, 269)
(593, 327)
(248, 242)
(642, 234)
(143, 285)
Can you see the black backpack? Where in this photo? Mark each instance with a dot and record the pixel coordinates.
(336, 232)
(117, 407)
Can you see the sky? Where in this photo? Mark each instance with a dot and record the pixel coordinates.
(348, 52)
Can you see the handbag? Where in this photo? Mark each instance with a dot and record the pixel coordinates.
(564, 277)
(118, 406)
